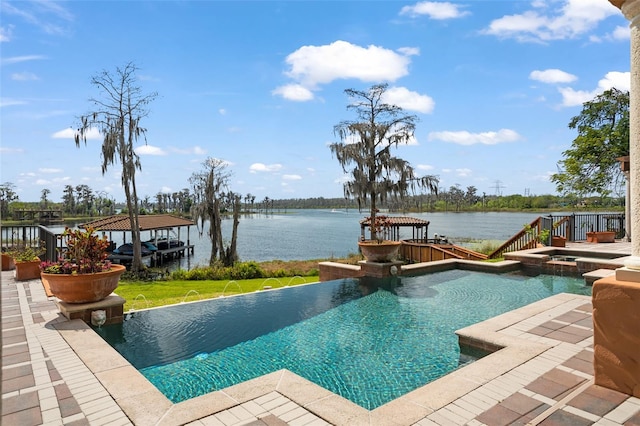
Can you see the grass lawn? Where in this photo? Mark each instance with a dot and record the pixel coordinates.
(161, 293)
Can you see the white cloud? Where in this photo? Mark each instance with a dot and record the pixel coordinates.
(434, 10)
(425, 167)
(49, 170)
(463, 172)
(260, 167)
(5, 102)
(196, 150)
(291, 177)
(6, 150)
(409, 51)
(572, 97)
(467, 138)
(149, 150)
(621, 33)
(64, 134)
(553, 75)
(6, 33)
(619, 80)
(24, 76)
(293, 92)
(25, 58)
(70, 133)
(550, 22)
(409, 100)
(312, 66)
(166, 190)
(222, 111)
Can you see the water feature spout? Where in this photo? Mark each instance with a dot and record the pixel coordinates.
(227, 285)
(268, 287)
(293, 278)
(135, 299)
(188, 293)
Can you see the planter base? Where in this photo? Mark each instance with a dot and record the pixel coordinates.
(379, 269)
(112, 305)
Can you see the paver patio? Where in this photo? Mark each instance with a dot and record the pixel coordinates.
(544, 377)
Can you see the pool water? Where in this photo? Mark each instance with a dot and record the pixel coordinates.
(369, 341)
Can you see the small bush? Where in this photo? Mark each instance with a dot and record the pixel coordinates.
(486, 246)
(239, 271)
(245, 271)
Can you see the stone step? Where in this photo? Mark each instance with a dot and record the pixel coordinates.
(590, 277)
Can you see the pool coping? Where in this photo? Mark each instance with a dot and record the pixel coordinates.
(144, 404)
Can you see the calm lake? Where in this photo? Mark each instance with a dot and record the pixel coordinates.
(322, 234)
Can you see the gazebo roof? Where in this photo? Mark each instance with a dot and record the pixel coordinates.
(147, 222)
(400, 221)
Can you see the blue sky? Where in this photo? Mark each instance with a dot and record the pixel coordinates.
(260, 84)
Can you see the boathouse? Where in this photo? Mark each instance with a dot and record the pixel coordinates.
(159, 227)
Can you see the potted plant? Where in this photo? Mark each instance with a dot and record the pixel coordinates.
(379, 249)
(540, 236)
(364, 151)
(82, 273)
(7, 262)
(25, 258)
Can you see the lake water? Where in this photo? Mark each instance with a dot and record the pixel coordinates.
(322, 234)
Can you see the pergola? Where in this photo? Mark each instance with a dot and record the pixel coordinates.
(420, 227)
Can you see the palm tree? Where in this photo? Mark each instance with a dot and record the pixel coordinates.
(365, 144)
(117, 115)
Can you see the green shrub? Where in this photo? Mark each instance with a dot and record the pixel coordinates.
(245, 271)
(239, 271)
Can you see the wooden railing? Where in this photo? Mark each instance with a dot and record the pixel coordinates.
(523, 240)
(572, 227)
(417, 251)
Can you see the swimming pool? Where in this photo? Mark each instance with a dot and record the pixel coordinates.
(367, 343)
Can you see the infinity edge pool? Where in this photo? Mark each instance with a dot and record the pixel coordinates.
(144, 404)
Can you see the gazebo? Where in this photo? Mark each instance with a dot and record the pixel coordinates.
(419, 226)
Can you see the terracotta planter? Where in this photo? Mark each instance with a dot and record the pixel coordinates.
(557, 241)
(7, 263)
(601, 237)
(84, 288)
(374, 251)
(27, 270)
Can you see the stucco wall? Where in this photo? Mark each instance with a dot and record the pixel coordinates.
(616, 334)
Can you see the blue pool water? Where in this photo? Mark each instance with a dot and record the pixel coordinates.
(370, 342)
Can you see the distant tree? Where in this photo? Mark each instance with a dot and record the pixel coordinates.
(210, 199)
(456, 195)
(470, 196)
(84, 197)
(44, 201)
(159, 203)
(364, 150)
(590, 165)
(118, 115)
(7, 195)
(68, 199)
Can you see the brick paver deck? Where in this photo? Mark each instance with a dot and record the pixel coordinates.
(44, 381)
